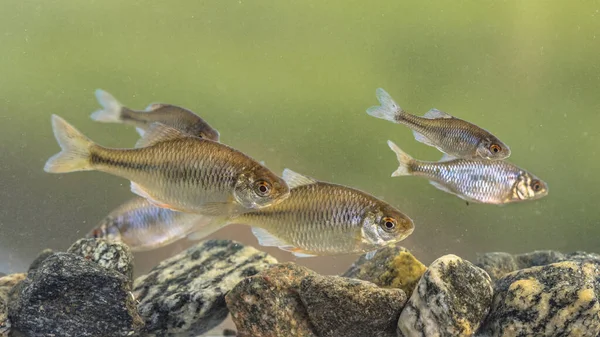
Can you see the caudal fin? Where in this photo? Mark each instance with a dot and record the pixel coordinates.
(388, 110)
(404, 161)
(112, 108)
(75, 147)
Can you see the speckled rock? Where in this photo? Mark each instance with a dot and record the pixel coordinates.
(451, 299)
(43, 255)
(6, 284)
(268, 304)
(185, 295)
(68, 296)
(498, 264)
(391, 267)
(112, 255)
(559, 299)
(339, 306)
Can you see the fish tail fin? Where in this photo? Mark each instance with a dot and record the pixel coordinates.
(111, 112)
(75, 147)
(404, 161)
(388, 110)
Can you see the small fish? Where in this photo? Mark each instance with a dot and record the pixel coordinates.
(167, 114)
(455, 137)
(173, 170)
(143, 226)
(326, 219)
(476, 180)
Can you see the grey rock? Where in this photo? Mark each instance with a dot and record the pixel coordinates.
(112, 255)
(66, 295)
(339, 306)
(185, 295)
(6, 284)
(391, 267)
(497, 264)
(229, 332)
(268, 304)
(559, 299)
(451, 299)
(43, 255)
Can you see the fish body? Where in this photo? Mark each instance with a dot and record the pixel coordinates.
(453, 136)
(170, 115)
(143, 226)
(173, 170)
(326, 219)
(475, 180)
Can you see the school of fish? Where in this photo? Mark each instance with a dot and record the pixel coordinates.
(189, 184)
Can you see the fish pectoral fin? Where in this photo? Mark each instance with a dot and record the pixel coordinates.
(435, 114)
(419, 137)
(446, 157)
(139, 190)
(293, 179)
(158, 132)
(298, 252)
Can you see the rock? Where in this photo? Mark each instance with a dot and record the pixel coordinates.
(391, 267)
(499, 264)
(339, 306)
(40, 258)
(268, 303)
(6, 284)
(66, 295)
(451, 299)
(185, 295)
(112, 255)
(559, 299)
(229, 332)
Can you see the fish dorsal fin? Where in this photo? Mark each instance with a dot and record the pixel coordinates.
(446, 157)
(267, 239)
(435, 114)
(293, 179)
(158, 132)
(155, 106)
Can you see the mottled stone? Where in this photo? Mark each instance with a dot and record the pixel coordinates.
(44, 254)
(112, 255)
(391, 267)
(559, 299)
(185, 295)
(6, 284)
(339, 306)
(499, 264)
(67, 295)
(229, 332)
(268, 304)
(451, 299)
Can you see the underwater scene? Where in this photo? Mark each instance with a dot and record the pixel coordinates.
(301, 168)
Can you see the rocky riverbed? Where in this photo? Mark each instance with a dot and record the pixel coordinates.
(89, 291)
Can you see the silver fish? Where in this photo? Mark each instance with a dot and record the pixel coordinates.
(476, 180)
(143, 226)
(455, 137)
(326, 219)
(170, 115)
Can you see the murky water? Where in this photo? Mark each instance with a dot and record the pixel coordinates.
(288, 83)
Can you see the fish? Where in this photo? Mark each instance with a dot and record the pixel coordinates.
(170, 115)
(174, 170)
(321, 218)
(143, 226)
(453, 136)
(474, 180)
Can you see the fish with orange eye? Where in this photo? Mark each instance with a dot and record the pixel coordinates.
(453, 136)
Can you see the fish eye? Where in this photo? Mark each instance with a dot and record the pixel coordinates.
(536, 185)
(495, 148)
(262, 187)
(389, 224)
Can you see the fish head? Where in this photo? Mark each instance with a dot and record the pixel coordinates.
(386, 225)
(105, 230)
(259, 187)
(528, 187)
(492, 148)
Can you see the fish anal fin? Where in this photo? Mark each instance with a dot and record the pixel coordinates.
(436, 114)
(267, 239)
(446, 157)
(158, 132)
(294, 179)
(419, 137)
(142, 192)
(441, 187)
(369, 255)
